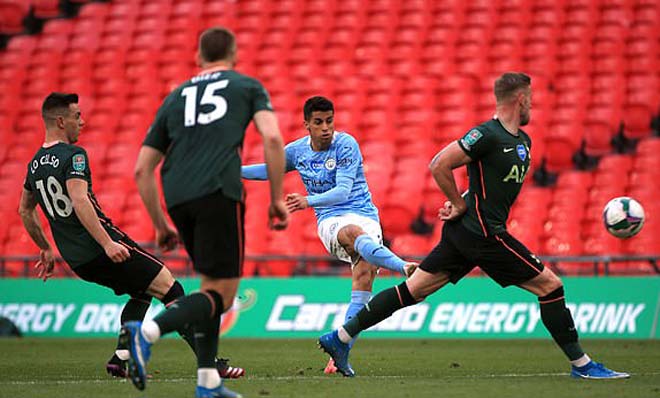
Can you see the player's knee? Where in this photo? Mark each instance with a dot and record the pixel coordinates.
(347, 235)
(161, 283)
(549, 283)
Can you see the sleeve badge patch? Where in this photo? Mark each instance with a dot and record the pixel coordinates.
(79, 162)
(471, 138)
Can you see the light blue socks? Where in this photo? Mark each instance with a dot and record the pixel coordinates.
(377, 254)
(358, 299)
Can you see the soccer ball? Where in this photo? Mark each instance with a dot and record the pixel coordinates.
(623, 217)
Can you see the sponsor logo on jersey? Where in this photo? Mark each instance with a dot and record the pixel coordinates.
(344, 162)
(330, 164)
(79, 162)
(522, 152)
(471, 138)
(316, 164)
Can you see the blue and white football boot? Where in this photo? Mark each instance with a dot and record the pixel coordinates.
(596, 371)
(140, 349)
(339, 351)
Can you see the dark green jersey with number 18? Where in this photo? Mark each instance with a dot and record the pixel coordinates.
(46, 178)
(200, 128)
(500, 161)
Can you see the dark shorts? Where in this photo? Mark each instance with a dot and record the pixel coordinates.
(132, 276)
(212, 230)
(501, 256)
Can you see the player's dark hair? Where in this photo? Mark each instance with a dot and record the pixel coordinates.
(216, 44)
(318, 103)
(57, 102)
(509, 83)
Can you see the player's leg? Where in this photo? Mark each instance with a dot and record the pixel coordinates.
(444, 264)
(363, 238)
(558, 320)
(123, 278)
(215, 244)
(363, 275)
(134, 310)
(509, 262)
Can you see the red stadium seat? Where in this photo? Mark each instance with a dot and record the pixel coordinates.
(12, 14)
(562, 142)
(46, 8)
(410, 245)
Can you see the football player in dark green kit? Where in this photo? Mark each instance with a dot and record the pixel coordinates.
(497, 155)
(60, 181)
(198, 134)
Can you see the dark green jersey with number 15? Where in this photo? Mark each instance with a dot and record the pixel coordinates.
(46, 178)
(200, 128)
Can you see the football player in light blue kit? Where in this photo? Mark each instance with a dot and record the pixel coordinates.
(330, 165)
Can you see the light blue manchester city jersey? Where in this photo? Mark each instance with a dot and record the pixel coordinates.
(334, 178)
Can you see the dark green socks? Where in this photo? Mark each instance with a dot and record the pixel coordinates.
(380, 307)
(559, 322)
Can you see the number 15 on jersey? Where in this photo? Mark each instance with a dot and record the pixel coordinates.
(209, 97)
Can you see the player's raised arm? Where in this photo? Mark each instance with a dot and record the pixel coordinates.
(85, 212)
(259, 171)
(266, 124)
(28, 212)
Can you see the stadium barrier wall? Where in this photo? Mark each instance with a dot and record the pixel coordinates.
(303, 307)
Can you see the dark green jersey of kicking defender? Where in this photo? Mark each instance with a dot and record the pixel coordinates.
(500, 161)
(200, 128)
(46, 178)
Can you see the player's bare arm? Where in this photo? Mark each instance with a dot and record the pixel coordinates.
(145, 178)
(266, 124)
(87, 215)
(449, 158)
(28, 212)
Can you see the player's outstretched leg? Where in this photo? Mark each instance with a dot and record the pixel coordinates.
(558, 320)
(140, 351)
(338, 351)
(380, 256)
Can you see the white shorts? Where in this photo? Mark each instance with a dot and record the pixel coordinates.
(329, 228)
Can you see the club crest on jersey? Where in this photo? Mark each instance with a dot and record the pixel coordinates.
(79, 162)
(471, 138)
(330, 164)
(522, 152)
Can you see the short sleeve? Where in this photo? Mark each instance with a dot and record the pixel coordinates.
(260, 99)
(26, 184)
(476, 143)
(78, 166)
(157, 136)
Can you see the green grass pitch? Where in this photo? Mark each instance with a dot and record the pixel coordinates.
(56, 368)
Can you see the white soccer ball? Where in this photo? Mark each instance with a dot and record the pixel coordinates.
(623, 217)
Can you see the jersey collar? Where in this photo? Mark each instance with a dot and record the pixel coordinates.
(213, 69)
(52, 143)
(334, 138)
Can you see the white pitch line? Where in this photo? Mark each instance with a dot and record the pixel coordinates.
(289, 378)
